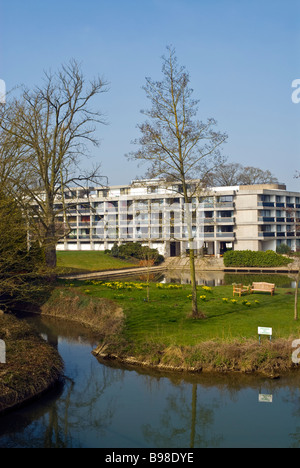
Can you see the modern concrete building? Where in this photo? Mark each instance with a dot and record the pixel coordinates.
(256, 217)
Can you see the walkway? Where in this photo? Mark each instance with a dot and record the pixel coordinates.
(126, 272)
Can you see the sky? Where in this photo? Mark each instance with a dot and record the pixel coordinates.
(242, 57)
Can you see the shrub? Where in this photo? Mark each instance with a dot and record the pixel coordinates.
(136, 250)
(249, 258)
(283, 249)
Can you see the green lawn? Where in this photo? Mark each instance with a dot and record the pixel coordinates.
(165, 319)
(81, 261)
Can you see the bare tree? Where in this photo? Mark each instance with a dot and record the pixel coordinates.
(236, 174)
(48, 130)
(174, 143)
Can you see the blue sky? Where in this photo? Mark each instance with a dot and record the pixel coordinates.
(242, 56)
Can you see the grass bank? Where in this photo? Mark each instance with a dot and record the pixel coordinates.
(160, 332)
(82, 262)
(102, 315)
(32, 366)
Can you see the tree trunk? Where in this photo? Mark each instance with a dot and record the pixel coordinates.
(195, 310)
(296, 296)
(50, 247)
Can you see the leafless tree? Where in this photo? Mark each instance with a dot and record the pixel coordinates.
(47, 130)
(235, 174)
(173, 143)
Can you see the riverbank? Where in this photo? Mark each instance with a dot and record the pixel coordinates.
(151, 326)
(269, 359)
(32, 366)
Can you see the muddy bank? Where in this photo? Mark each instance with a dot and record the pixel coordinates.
(32, 365)
(248, 357)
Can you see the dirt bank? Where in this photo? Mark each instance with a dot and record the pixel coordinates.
(32, 366)
(247, 357)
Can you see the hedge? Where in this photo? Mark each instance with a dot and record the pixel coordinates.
(249, 258)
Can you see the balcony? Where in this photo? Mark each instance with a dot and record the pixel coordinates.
(84, 224)
(266, 219)
(266, 234)
(225, 220)
(268, 204)
(229, 235)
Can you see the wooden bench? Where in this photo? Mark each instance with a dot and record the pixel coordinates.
(240, 289)
(263, 287)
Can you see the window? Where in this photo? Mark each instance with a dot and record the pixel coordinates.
(225, 199)
(265, 213)
(152, 189)
(124, 191)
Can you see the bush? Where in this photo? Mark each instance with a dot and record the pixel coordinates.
(249, 258)
(283, 249)
(136, 250)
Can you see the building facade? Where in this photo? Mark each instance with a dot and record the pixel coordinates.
(256, 217)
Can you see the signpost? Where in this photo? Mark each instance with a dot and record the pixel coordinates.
(265, 331)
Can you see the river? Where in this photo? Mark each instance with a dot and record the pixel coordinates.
(100, 406)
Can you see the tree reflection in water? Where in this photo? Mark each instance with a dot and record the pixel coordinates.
(59, 418)
(192, 425)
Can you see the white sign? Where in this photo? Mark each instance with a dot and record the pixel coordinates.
(265, 331)
(265, 398)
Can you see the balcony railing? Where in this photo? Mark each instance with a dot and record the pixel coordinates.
(225, 220)
(269, 204)
(266, 219)
(266, 234)
(226, 234)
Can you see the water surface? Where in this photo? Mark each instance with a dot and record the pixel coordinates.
(111, 407)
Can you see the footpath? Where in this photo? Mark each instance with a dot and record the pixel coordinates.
(126, 272)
